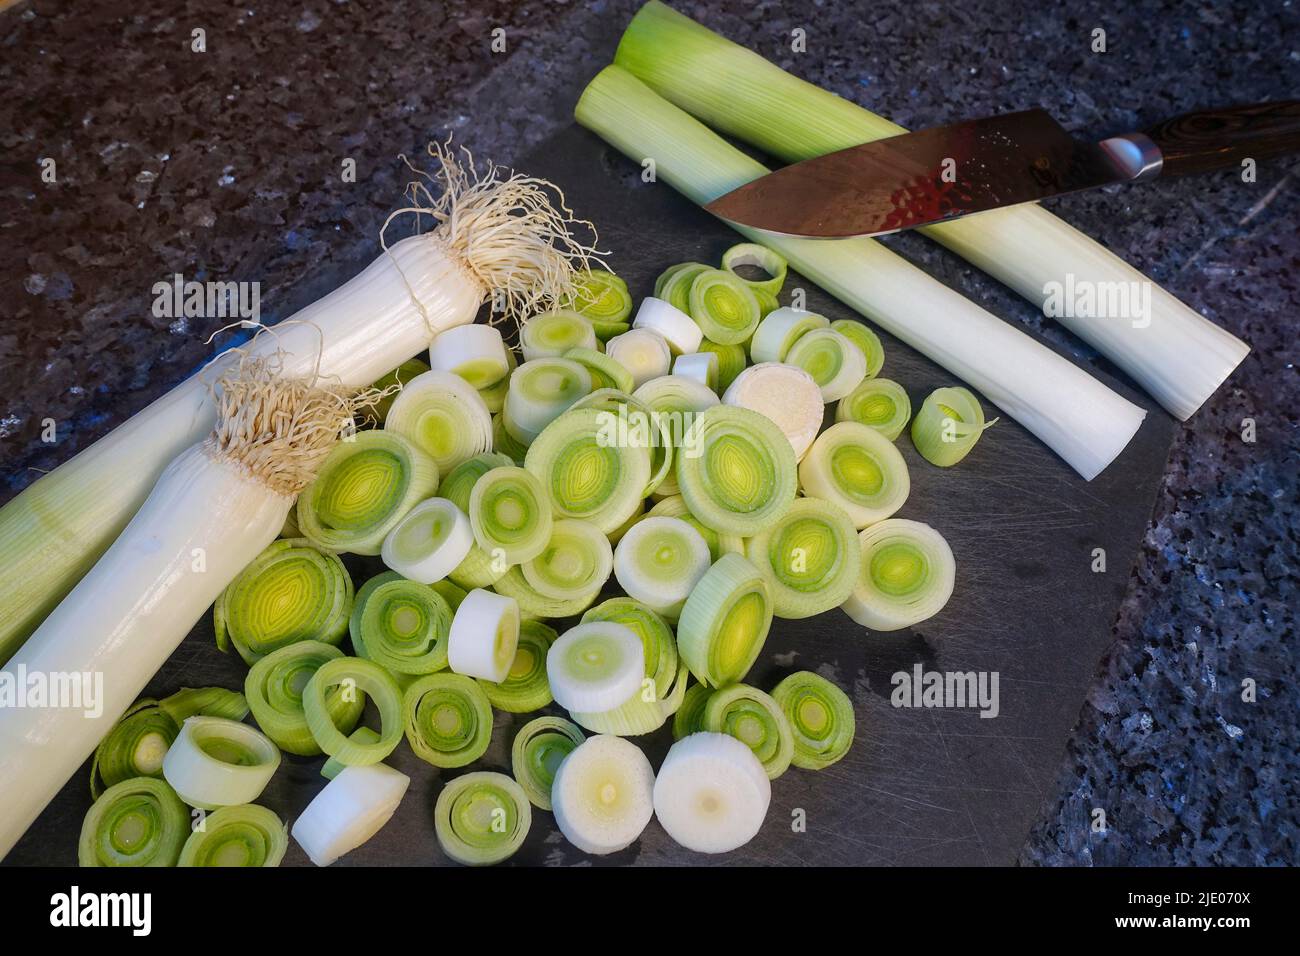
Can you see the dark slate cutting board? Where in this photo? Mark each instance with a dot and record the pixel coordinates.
(919, 786)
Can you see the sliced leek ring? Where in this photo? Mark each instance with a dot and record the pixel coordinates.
(603, 795)
(736, 470)
(576, 563)
(644, 353)
(655, 634)
(700, 366)
(429, 542)
(363, 489)
(444, 416)
(778, 332)
(525, 688)
(595, 666)
(484, 635)
(689, 718)
(494, 396)
(907, 575)
(866, 340)
(355, 677)
(603, 298)
(674, 285)
(352, 808)
(631, 422)
(137, 822)
(725, 622)
(820, 716)
(810, 558)
(401, 625)
(447, 719)
(854, 466)
(135, 747)
(398, 376)
(879, 403)
(642, 713)
(214, 762)
(477, 569)
(540, 391)
(482, 818)
(752, 254)
(731, 361)
(507, 444)
(604, 371)
(712, 793)
(243, 836)
(510, 514)
(948, 425)
(756, 720)
(785, 394)
(723, 306)
(659, 562)
(836, 364)
(534, 605)
(476, 352)
(676, 327)
(539, 748)
(274, 688)
(551, 334)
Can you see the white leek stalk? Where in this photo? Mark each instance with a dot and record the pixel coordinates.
(212, 512)
(352, 808)
(1084, 422)
(1179, 357)
(495, 232)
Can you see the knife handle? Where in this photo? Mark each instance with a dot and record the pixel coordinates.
(1206, 140)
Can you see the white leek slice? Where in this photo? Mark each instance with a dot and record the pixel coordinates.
(712, 793)
(907, 575)
(785, 394)
(725, 622)
(510, 515)
(810, 558)
(677, 328)
(444, 416)
(859, 469)
(679, 394)
(429, 542)
(779, 330)
(214, 762)
(540, 391)
(659, 562)
(724, 307)
(484, 635)
(476, 353)
(603, 795)
(836, 364)
(595, 666)
(551, 334)
(701, 366)
(756, 720)
(576, 563)
(352, 808)
(642, 352)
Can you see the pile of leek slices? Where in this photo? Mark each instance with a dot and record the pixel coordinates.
(679, 454)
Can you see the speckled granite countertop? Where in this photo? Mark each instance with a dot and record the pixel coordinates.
(226, 164)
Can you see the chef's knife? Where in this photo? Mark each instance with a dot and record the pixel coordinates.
(950, 171)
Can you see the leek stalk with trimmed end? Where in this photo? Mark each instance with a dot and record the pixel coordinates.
(1179, 357)
(1084, 422)
(494, 233)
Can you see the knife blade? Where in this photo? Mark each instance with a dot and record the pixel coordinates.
(942, 173)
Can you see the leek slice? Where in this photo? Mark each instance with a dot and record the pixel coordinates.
(539, 748)
(274, 687)
(137, 822)
(642, 713)
(785, 394)
(249, 836)
(836, 364)
(576, 563)
(674, 506)
(756, 720)
(430, 542)
(540, 391)
(363, 489)
(867, 341)
(603, 795)
(725, 622)
(779, 330)
(820, 717)
(879, 403)
(484, 635)
(633, 423)
(333, 766)
(525, 688)
(604, 371)
(482, 818)
(671, 271)
(533, 604)
(723, 306)
(655, 634)
(689, 718)
(494, 396)
(642, 352)
(712, 793)
(907, 575)
(676, 288)
(810, 558)
(477, 569)
(767, 303)
(587, 472)
(510, 514)
(448, 719)
(476, 352)
(737, 470)
(854, 466)
(659, 562)
(678, 329)
(291, 592)
(352, 808)
(700, 366)
(214, 762)
(444, 416)
(674, 401)
(355, 676)
(752, 254)
(551, 334)
(206, 702)
(731, 361)
(404, 373)
(948, 425)
(603, 298)
(595, 666)
(401, 625)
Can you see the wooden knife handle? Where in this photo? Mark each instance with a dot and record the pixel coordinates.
(1206, 140)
